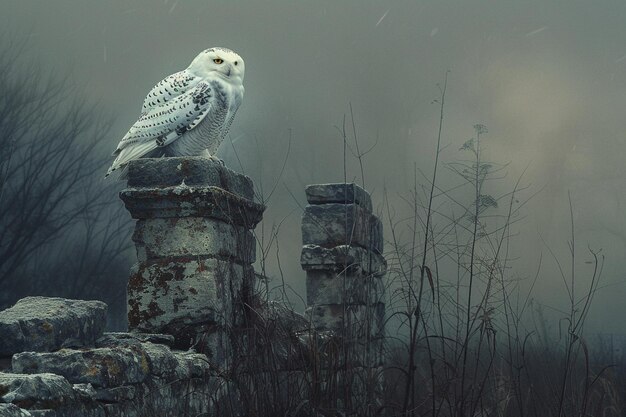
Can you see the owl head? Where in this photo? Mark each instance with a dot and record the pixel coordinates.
(219, 61)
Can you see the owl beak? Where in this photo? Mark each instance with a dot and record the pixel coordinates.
(229, 71)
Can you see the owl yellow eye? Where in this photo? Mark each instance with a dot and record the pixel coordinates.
(218, 60)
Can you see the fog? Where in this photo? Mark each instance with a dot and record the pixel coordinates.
(548, 79)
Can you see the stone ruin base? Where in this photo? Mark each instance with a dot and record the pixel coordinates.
(80, 370)
(56, 361)
(224, 352)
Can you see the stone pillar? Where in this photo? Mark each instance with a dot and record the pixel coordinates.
(342, 257)
(195, 250)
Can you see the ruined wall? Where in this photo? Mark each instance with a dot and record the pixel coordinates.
(56, 361)
(342, 256)
(195, 252)
(200, 342)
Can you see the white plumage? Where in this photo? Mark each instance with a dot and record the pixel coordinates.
(189, 112)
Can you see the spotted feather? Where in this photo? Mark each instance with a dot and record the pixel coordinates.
(187, 113)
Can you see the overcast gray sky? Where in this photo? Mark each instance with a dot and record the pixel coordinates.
(548, 79)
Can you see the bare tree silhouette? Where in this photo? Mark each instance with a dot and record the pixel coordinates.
(59, 233)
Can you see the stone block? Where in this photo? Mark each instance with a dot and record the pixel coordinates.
(343, 257)
(189, 170)
(329, 225)
(327, 287)
(193, 236)
(172, 297)
(351, 321)
(197, 364)
(101, 367)
(43, 324)
(192, 201)
(84, 391)
(115, 394)
(87, 393)
(43, 389)
(165, 363)
(113, 339)
(11, 410)
(342, 193)
(201, 395)
(48, 413)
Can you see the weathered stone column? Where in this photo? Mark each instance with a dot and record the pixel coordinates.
(342, 257)
(195, 250)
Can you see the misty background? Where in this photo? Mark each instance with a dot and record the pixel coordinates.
(548, 79)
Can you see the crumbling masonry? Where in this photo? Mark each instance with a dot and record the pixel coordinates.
(190, 298)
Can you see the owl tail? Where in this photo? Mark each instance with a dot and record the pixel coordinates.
(122, 173)
(124, 156)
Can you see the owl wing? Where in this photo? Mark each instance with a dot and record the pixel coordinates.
(163, 124)
(223, 132)
(228, 121)
(169, 88)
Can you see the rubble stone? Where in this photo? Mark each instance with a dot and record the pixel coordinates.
(43, 324)
(196, 364)
(11, 410)
(101, 367)
(113, 339)
(41, 389)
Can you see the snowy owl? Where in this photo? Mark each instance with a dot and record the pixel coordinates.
(188, 113)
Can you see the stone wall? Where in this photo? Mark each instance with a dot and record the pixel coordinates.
(56, 361)
(200, 342)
